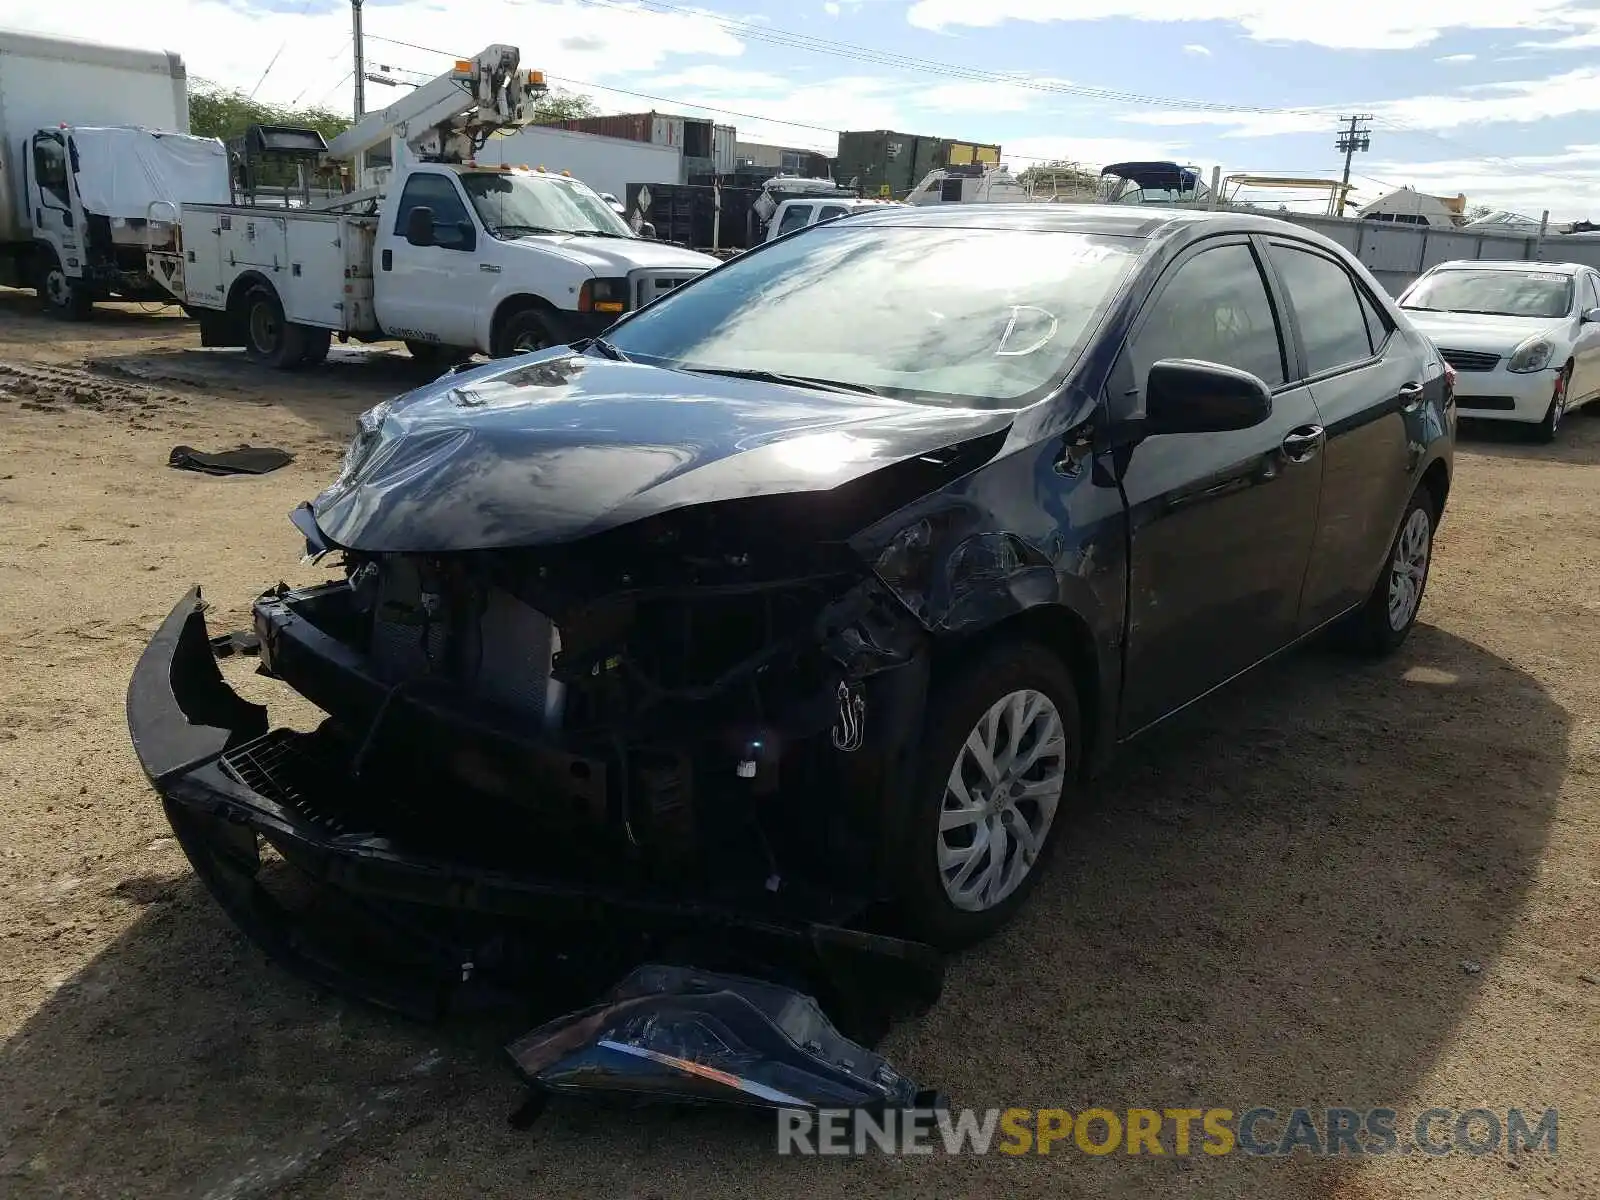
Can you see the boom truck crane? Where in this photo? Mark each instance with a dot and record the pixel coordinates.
(428, 246)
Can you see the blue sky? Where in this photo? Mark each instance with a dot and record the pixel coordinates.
(1495, 100)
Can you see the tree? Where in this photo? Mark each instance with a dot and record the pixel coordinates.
(219, 112)
(556, 106)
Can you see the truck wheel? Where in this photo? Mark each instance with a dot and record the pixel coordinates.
(62, 297)
(317, 343)
(433, 354)
(1000, 758)
(523, 331)
(268, 338)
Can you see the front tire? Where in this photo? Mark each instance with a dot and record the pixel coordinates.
(1547, 429)
(1002, 754)
(1384, 622)
(523, 331)
(64, 298)
(269, 339)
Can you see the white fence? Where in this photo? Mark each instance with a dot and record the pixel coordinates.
(1397, 254)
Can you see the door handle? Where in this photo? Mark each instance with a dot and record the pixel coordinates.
(388, 260)
(1302, 443)
(1410, 397)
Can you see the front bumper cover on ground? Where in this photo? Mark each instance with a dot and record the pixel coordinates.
(187, 725)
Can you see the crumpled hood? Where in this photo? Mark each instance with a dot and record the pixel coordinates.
(617, 256)
(1480, 331)
(556, 446)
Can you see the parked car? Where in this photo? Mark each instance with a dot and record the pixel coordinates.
(797, 214)
(819, 585)
(1524, 337)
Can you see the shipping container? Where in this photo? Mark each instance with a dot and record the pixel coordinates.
(723, 140)
(884, 162)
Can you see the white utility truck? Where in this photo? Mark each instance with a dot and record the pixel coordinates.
(433, 248)
(93, 144)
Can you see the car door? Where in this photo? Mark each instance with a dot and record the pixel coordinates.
(1365, 381)
(1220, 524)
(430, 293)
(1585, 380)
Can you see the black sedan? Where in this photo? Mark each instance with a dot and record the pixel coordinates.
(806, 598)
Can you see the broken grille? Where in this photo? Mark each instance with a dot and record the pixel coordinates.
(280, 767)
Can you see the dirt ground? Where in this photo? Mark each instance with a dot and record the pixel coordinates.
(1335, 884)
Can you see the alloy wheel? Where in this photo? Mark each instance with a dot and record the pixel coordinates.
(1000, 799)
(1409, 571)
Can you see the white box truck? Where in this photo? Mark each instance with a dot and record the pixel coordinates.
(91, 137)
(449, 254)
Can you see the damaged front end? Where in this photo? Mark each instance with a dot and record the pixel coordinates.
(680, 733)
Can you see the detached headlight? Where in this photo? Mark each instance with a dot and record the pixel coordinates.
(603, 296)
(1532, 355)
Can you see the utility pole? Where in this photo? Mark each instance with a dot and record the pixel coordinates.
(1357, 135)
(360, 75)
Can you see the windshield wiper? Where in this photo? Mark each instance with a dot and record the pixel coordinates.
(804, 381)
(525, 230)
(605, 347)
(597, 233)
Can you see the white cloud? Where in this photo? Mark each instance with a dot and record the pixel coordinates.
(1092, 152)
(232, 43)
(1456, 58)
(713, 77)
(831, 8)
(1567, 183)
(1358, 24)
(1198, 50)
(1519, 102)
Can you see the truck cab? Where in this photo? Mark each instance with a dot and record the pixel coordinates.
(504, 259)
(797, 214)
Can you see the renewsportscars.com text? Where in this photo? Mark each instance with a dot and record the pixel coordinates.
(1260, 1131)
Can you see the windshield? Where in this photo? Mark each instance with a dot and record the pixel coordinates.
(517, 205)
(1545, 294)
(965, 316)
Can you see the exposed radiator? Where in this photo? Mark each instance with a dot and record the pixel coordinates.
(498, 649)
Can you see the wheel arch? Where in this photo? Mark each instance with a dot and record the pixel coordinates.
(514, 303)
(241, 287)
(1437, 480)
(1067, 634)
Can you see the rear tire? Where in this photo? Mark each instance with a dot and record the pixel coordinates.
(1547, 429)
(318, 342)
(63, 298)
(1380, 626)
(269, 339)
(1016, 702)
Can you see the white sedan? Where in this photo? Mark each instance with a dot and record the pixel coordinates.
(1523, 337)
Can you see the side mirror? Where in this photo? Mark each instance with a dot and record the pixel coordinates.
(1590, 316)
(1184, 395)
(646, 230)
(419, 226)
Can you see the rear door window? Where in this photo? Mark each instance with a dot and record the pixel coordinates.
(829, 211)
(1333, 327)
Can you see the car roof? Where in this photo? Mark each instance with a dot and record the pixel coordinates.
(1131, 220)
(1508, 264)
